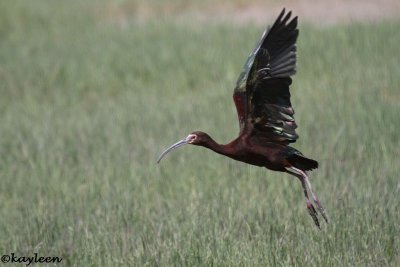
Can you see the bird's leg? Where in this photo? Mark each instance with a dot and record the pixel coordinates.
(310, 207)
(315, 198)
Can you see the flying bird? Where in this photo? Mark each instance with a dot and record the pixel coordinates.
(265, 113)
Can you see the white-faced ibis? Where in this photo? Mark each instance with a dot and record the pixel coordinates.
(265, 112)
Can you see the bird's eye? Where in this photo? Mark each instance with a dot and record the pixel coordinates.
(192, 138)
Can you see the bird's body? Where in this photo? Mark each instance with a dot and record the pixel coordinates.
(265, 113)
(254, 151)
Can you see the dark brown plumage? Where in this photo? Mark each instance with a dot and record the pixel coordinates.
(265, 113)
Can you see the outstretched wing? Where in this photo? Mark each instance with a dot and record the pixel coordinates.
(262, 96)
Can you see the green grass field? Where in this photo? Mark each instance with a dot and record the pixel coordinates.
(87, 104)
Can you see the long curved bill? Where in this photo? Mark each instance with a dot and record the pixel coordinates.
(174, 146)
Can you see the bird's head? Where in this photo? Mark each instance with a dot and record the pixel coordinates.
(196, 138)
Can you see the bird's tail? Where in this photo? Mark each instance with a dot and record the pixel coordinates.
(303, 163)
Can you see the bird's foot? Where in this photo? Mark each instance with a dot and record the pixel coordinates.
(313, 213)
(321, 209)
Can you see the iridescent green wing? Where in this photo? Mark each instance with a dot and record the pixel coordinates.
(262, 94)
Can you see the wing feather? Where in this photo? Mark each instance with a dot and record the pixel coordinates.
(262, 94)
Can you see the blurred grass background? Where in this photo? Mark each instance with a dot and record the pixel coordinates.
(90, 97)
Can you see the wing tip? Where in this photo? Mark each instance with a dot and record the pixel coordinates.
(286, 18)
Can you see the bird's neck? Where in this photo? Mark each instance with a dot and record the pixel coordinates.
(226, 150)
